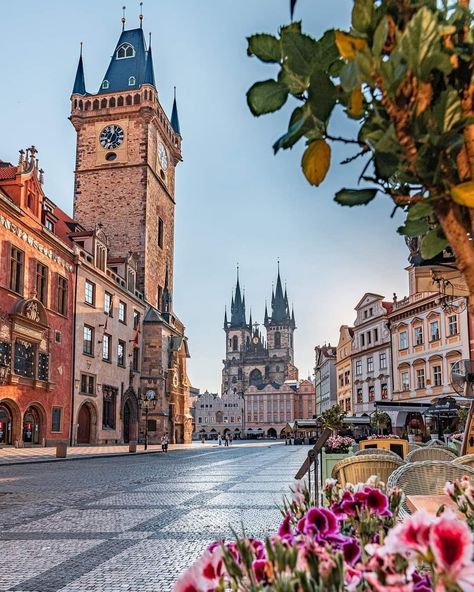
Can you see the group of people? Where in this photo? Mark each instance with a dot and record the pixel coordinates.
(227, 439)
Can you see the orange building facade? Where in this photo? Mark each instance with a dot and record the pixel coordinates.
(37, 282)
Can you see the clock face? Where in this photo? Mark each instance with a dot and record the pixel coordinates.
(111, 136)
(150, 395)
(162, 156)
(255, 340)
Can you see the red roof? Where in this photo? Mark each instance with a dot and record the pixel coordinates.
(64, 226)
(7, 171)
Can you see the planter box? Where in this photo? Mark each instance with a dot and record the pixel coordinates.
(328, 461)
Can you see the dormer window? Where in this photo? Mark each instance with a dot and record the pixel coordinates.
(105, 84)
(131, 81)
(125, 51)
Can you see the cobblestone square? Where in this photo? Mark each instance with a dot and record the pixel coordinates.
(134, 523)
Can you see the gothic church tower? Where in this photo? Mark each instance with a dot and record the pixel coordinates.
(127, 151)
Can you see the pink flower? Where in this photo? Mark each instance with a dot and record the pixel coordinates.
(320, 521)
(451, 543)
(376, 501)
(412, 535)
(262, 569)
(352, 551)
(284, 529)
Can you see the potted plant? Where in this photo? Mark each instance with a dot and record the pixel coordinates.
(447, 432)
(336, 448)
(379, 421)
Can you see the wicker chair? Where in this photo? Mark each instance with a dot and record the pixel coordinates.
(413, 446)
(382, 451)
(357, 469)
(430, 453)
(466, 460)
(425, 478)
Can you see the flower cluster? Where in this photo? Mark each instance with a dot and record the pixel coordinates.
(354, 544)
(382, 437)
(457, 437)
(338, 444)
(462, 493)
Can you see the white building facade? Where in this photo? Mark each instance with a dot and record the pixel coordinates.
(325, 379)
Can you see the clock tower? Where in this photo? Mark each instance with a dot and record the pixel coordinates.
(127, 151)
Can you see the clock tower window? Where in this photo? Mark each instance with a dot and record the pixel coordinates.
(125, 51)
(105, 84)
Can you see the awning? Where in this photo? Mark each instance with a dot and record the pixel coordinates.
(358, 420)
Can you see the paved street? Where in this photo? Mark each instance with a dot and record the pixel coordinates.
(134, 523)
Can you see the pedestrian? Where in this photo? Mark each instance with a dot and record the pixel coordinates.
(164, 443)
(219, 440)
(226, 440)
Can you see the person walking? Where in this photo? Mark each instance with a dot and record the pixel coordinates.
(164, 443)
(226, 440)
(219, 440)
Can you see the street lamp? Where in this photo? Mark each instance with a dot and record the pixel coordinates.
(147, 402)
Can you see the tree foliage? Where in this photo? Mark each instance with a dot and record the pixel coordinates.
(404, 73)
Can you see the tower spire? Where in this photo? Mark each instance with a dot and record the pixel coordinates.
(124, 20)
(174, 116)
(79, 87)
(237, 318)
(280, 310)
(225, 318)
(141, 15)
(149, 77)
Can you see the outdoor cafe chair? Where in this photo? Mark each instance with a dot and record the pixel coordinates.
(357, 469)
(431, 453)
(426, 477)
(466, 460)
(382, 451)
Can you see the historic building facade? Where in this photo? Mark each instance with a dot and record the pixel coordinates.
(109, 316)
(251, 359)
(269, 407)
(325, 377)
(344, 369)
(37, 284)
(371, 353)
(216, 415)
(127, 151)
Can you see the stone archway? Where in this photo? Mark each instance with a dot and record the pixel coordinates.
(86, 424)
(10, 422)
(272, 433)
(130, 416)
(34, 425)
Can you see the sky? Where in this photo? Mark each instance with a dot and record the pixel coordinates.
(236, 203)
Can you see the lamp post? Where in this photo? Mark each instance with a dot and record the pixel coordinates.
(147, 402)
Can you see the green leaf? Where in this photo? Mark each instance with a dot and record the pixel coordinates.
(295, 27)
(380, 36)
(413, 228)
(326, 50)
(355, 197)
(349, 76)
(419, 210)
(447, 111)
(265, 47)
(322, 95)
(300, 122)
(419, 41)
(362, 13)
(267, 96)
(433, 243)
(295, 84)
(299, 52)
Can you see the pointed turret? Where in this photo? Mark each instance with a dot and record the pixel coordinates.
(79, 87)
(280, 313)
(174, 116)
(149, 71)
(250, 319)
(293, 322)
(265, 320)
(237, 318)
(225, 318)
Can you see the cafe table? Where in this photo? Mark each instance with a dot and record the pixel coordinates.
(432, 504)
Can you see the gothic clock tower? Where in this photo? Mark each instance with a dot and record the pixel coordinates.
(127, 151)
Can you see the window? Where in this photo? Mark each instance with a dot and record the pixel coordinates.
(160, 297)
(383, 361)
(108, 303)
(89, 293)
(88, 345)
(277, 340)
(362, 340)
(434, 330)
(403, 340)
(358, 367)
(235, 343)
(160, 232)
(131, 81)
(43, 367)
(371, 312)
(121, 353)
(136, 319)
(56, 413)
(105, 84)
(87, 384)
(371, 393)
(136, 359)
(420, 378)
(199, 419)
(62, 295)
(360, 398)
(369, 337)
(348, 404)
(41, 283)
(341, 380)
(125, 51)
(370, 364)
(108, 408)
(384, 392)
(418, 335)
(366, 314)
(452, 325)
(131, 280)
(106, 347)
(122, 312)
(405, 381)
(376, 334)
(5, 354)
(25, 357)
(58, 336)
(437, 381)
(17, 264)
(347, 377)
(49, 225)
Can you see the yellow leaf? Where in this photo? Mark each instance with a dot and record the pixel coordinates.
(355, 105)
(348, 45)
(315, 162)
(464, 194)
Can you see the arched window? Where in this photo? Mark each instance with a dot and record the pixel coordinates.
(239, 374)
(120, 102)
(125, 51)
(278, 339)
(219, 417)
(105, 84)
(255, 377)
(103, 104)
(131, 81)
(235, 343)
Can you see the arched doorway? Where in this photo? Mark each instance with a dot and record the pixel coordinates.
(33, 426)
(127, 412)
(84, 425)
(130, 417)
(272, 433)
(6, 425)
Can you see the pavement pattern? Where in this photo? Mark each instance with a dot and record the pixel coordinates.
(133, 524)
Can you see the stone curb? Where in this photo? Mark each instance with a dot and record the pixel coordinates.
(78, 457)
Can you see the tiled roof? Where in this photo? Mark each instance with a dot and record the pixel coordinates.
(7, 171)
